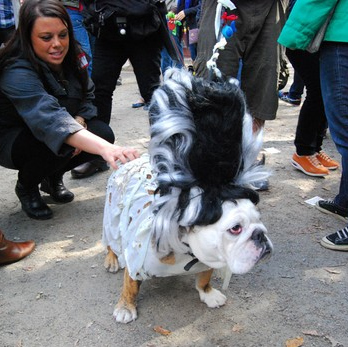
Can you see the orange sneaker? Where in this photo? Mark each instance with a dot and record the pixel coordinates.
(309, 164)
(326, 161)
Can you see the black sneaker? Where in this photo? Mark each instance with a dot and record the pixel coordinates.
(337, 241)
(330, 207)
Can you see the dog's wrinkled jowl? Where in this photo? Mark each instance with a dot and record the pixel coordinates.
(188, 206)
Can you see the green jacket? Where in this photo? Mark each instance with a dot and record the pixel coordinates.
(307, 16)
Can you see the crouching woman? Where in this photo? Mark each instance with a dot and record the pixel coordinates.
(48, 122)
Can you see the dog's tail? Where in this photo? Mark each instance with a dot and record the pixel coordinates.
(203, 150)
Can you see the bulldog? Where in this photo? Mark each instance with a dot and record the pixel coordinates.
(187, 206)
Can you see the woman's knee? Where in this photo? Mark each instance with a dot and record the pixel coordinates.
(101, 129)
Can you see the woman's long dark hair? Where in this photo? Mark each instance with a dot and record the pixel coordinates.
(20, 45)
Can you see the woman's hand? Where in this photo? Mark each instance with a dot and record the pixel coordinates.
(114, 153)
(88, 142)
(180, 16)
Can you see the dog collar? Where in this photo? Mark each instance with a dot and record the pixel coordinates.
(195, 260)
(188, 266)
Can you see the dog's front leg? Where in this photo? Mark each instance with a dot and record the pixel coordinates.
(125, 310)
(212, 297)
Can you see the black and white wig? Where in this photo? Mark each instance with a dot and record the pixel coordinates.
(203, 151)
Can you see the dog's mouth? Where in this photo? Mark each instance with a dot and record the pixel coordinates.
(263, 242)
(266, 252)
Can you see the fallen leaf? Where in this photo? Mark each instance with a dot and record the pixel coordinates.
(311, 332)
(28, 268)
(237, 328)
(297, 342)
(161, 330)
(336, 272)
(39, 295)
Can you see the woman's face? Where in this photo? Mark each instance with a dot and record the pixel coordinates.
(50, 41)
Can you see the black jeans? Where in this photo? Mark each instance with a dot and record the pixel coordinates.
(312, 123)
(35, 160)
(108, 59)
(296, 88)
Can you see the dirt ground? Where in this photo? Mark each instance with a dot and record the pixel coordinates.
(61, 295)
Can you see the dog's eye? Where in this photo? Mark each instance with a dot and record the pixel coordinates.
(236, 230)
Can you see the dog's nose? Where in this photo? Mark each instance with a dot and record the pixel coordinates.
(258, 236)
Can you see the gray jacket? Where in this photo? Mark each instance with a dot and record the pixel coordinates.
(44, 106)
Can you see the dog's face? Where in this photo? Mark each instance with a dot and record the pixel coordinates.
(238, 239)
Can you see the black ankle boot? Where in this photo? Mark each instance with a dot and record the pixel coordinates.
(32, 203)
(56, 188)
(90, 168)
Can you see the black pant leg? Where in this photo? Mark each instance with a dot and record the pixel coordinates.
(108, 59)
(35, 161)
(145, 57)
(312, 119)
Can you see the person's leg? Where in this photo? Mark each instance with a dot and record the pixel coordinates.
(206, 37)
(108, 59)
(145, 57)
(308, 157)
(37, 163)
(166, 61)
(81, 34)
(334, 86)
(34, 161)
(178, 47)
(296, 88)
(193, 51)
(312, 119)
(255, 42)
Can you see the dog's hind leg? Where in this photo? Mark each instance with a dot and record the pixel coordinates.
(125, 310)
(111, 262)
(212, 297)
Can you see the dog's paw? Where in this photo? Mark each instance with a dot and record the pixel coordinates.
(125, 314)
(111, 262)
(214, 298)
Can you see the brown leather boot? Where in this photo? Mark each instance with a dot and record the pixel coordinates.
(11, 252)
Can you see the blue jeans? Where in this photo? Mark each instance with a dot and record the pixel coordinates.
(166, 60)
(81, 34)
(334, 85)
(193, 51)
